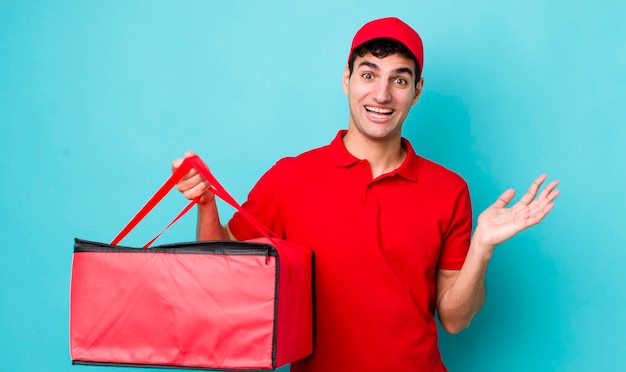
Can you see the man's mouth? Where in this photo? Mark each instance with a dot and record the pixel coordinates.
(378, 112)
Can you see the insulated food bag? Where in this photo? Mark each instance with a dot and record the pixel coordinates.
(223, 305)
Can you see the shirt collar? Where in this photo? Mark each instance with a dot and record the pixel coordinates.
(343, 158)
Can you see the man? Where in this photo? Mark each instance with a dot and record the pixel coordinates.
(390, 230)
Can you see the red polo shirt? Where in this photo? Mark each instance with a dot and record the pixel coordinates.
(378, 244)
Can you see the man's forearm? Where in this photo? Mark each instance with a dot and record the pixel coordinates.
(465, 296)
(209, 226)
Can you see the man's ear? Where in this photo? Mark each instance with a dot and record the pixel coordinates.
(345, 79)
(418, 91)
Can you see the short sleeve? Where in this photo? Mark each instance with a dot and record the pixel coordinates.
(457, 235)
(263, 203)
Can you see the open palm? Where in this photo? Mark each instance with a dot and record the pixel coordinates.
(499, 223)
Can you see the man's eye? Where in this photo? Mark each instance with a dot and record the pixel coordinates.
(367, 76)
(401, 81)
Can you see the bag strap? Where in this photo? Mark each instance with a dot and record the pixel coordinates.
(221, 192)
(177, 175)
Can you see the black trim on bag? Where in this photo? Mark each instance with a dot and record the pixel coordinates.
(275, 330)
(166, 366)
(213, 247)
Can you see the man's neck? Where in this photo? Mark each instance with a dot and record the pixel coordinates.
(382, 156)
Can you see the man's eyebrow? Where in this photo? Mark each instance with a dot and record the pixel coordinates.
(401, 70)
(369, 64)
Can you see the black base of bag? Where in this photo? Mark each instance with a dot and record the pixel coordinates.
(161, 366)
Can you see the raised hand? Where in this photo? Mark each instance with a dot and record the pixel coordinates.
(499, 223)
(193, 185)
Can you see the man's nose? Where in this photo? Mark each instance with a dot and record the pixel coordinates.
(382, 92)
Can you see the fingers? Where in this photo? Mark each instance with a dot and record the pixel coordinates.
(548, 194)
(192, 184)
(504, 199)
(539, 214)
(193, 187)
(177, 162)
(531, 199)
(532, 190)
(543, 204)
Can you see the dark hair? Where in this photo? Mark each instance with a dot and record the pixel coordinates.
(381, 48)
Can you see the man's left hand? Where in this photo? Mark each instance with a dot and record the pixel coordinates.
(499, 223)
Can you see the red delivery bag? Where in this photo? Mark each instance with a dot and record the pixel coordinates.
(205, 305)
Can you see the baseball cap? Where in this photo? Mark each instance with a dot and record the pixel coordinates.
(391, 28)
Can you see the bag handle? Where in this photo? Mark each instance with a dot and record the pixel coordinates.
(177, 175)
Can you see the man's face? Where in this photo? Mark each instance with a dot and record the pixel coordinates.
(381, 92)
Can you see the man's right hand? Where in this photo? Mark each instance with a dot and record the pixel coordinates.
(193, 185)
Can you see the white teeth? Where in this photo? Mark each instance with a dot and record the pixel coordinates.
(378, 110)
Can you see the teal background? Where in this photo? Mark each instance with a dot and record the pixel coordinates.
(97, 98)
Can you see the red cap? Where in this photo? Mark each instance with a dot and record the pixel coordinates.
(391, 28)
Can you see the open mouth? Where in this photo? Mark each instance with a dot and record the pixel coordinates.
(377, 112)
